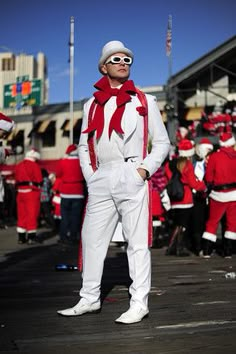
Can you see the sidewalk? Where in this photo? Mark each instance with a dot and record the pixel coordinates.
(9, 241)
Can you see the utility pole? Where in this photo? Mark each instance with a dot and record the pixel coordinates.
(71, 44)
(169, 107)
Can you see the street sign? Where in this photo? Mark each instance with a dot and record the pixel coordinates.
(22, 93)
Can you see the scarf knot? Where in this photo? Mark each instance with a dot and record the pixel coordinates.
(104, 93)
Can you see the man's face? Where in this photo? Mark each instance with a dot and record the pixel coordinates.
(119, 71)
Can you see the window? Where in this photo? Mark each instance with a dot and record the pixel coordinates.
(48, 135)
(8, 64)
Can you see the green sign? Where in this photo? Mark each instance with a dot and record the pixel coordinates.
(22, 93)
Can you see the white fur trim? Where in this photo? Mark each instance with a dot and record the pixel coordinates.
(207, 146)
(56, 199)
(230, 235)
(227, 143)
(156, 223)
(186, 153)
(33, 154)
(209, 236)
(20, 229)
(181, 206)
(5, 125)
(224, 197)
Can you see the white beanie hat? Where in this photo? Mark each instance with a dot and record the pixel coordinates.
(33, 153)
(110, 48)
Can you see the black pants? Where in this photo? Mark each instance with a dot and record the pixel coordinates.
(71, 218)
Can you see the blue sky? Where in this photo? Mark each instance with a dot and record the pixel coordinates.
(44, 25)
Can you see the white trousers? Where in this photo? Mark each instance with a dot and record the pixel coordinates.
(116, 191)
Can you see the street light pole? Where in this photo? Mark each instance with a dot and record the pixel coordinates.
(71, 44)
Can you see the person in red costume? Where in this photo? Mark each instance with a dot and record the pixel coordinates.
(28, 178)
(6, 126)
(221, 179)
(72, 193)
(113, 154)
(56, 200)
(181, 210)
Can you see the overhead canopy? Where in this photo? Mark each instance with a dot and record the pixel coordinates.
(14, 134)
(194, 113)
(66, 125)
(42, 127)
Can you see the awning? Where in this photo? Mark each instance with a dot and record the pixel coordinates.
(43, 126)
(66, 124)
(194, 113)
(13, 135)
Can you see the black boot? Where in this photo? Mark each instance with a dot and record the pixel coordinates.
(197, 247)
(207, 248)
(21, 238)
(227, 248)
(181, 250)
(31, 238)
(156, 233)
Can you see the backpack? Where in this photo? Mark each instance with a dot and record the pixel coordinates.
(175, 187)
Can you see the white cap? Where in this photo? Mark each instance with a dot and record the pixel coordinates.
(33, 153)
(110, 48)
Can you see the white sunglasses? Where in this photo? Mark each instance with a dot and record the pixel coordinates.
(115, 59)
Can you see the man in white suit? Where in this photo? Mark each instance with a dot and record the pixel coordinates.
(113, 153)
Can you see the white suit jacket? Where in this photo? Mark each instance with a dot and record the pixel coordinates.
(132, 125)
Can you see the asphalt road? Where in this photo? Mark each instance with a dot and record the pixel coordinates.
(192, 304)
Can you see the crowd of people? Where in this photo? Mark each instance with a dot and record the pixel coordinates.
(202, 220)
(200, 223)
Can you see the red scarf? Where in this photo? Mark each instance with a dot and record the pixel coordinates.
(104, 93)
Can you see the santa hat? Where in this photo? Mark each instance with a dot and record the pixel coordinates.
(203, 147)
(72, 150)
(186, 148)
(111, 48)
(6, 123)
(206, 143)
(33, 153)
(226, 140)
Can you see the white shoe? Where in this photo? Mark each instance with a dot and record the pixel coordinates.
(80, 309)
(133, 315)
(206, 256)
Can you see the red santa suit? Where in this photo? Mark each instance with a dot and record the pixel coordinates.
(28, 181)
(221, 176)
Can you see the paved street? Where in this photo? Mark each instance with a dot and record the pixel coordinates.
(192, 304)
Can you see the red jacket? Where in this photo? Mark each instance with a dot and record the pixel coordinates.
(190, 182)
(72, 179)
(28, 171)
(221, 167)
(221, 171)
